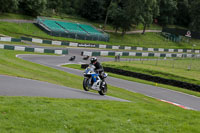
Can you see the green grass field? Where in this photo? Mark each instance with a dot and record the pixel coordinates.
(25, 114)
(15, 16)
(150, 40)
(36, 114)
(176, 69)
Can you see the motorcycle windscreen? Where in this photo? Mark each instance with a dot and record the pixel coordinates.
(94, 77)
(87, 70)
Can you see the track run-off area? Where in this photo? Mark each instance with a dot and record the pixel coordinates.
(25, 87)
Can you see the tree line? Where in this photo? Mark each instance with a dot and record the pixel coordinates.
(119, 13)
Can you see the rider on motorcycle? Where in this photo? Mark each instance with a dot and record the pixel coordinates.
(94, 77)
(98, 67)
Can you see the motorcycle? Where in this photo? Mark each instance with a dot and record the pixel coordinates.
(92, 81)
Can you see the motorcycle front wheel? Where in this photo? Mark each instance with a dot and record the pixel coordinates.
(103, 88)
(85, 84)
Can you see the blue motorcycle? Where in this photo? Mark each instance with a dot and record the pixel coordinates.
(92, 81)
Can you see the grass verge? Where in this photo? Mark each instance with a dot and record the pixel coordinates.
(22, 114)
(36, 114)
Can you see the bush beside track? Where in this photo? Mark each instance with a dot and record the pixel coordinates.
(155, 79)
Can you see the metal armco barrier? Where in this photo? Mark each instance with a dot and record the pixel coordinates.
(37, 50)
(74, 44)
(139, 54)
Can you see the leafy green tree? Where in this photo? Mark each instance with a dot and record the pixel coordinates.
(67, 6)
(124, 13)
(62, 6)
(8, 5)
(121, 16)
(77, 5)
(108, 5)
(55, 6)
(183, 15)
(32, 7)
(92, 9)
(195, 15)
(131, 13)
(148, 12)
(127, 23)
(116, 15)
(168, 10)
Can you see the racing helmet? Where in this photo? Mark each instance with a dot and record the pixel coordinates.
(93, 59)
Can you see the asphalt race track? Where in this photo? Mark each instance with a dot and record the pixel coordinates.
(188, 101)
(14, 86)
